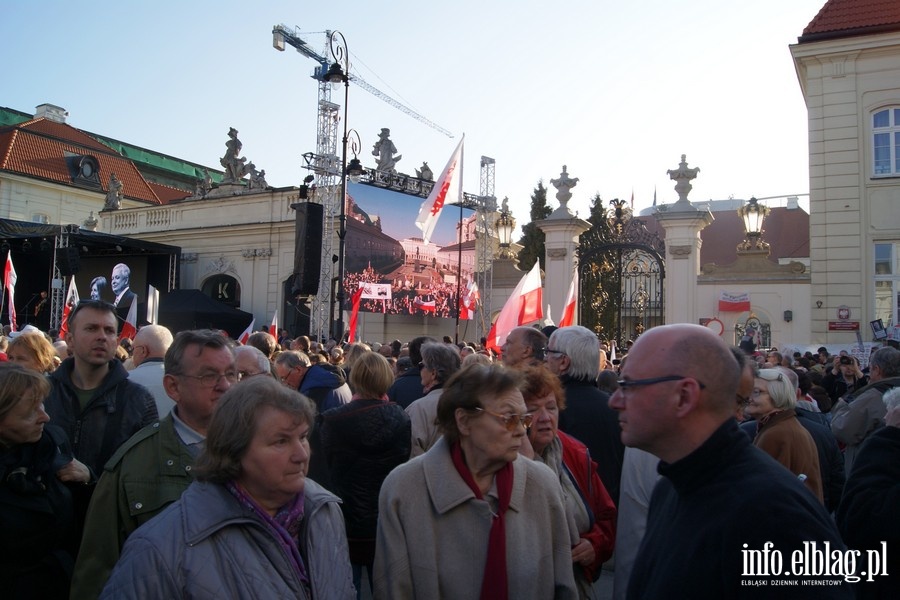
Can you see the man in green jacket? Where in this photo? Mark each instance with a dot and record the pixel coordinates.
(153, 468)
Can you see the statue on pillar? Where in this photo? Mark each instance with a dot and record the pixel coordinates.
(564, 187)
(114, 194)
(233, 165)
(384, 149)
(683, 176)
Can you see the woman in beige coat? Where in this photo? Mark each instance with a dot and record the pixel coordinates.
(471, 518)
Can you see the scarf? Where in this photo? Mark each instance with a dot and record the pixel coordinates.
(494, 586)
(285, 525)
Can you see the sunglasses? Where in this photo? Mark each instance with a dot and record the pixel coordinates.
(512, 420)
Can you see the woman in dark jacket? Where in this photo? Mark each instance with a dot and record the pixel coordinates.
(37, 545)
(363, 441)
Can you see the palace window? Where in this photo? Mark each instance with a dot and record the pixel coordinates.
(887, 282)
(886, 142)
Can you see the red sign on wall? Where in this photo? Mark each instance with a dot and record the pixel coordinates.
(843, 325)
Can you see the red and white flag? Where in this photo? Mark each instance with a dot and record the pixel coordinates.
(523, 307)
(9, 283)
(273, 327)
(71, 300)
(242, 339)
(129, 328)
(425, 303)
(354, 313)
(731, 302)
(469, 301)
(568, 317)
(448, 187)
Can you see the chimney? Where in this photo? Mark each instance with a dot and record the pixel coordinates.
(51, 113)
(793, 203)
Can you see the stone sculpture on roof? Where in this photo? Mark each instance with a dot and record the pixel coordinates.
(384, 149)
(114, 194)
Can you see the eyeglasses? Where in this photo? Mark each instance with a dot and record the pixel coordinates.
(211, 379)
(549, 351)
(247, 374)
(422, 365)
(756, 393)
(625, 384)
(512, 420)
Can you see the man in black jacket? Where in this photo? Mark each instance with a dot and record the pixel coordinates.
(408, 385)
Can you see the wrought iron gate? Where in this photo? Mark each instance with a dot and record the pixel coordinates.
(621, 268)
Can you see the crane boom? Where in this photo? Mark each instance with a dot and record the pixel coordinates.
(283, 34)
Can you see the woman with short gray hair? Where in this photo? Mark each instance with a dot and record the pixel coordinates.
(251, 505)
(439, 363)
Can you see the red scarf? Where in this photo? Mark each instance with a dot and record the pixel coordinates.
(494, 585)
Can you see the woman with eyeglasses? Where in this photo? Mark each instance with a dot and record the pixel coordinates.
(439, 363)
(779, 434)
(472, 518)
(587, 501)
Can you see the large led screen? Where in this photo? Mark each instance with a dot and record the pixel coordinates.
(386, 256)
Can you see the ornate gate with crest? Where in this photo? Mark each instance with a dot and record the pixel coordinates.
(621, 268)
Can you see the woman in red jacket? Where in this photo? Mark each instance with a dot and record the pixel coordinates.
(587, 501)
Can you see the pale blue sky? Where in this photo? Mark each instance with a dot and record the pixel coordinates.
(615, 90)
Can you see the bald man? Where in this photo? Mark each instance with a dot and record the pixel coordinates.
(676, 400)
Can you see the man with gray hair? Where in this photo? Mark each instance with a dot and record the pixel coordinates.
(150, 345)
(573, 354)
(439, 362)
(249, 361)
(861, 412)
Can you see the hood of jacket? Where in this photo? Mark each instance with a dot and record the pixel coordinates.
(322, 376)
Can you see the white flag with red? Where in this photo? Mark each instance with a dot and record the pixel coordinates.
(523, 307)
(129, 327)
(71, 300)
(568, 317)
(9, 282)
(448, 187)
(469, 301)
(273, 327)
(246, 335)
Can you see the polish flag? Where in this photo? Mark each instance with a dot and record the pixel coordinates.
(273, 327)
(9, 282)
(354, 313)
(242, 339)
(730, 302)
(522, 308)
(467, 307)
(448, 187)
(568, 317)
(129, 328)
(71, 300)
(425, 303)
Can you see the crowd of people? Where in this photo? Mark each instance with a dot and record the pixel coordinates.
(188, 465)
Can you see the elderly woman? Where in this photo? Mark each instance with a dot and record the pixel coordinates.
(32, 350)
(439, 363)
(472, 518)
(587, 501)
(37, 520)
(363, 441)
(779, 434)
(251, 525)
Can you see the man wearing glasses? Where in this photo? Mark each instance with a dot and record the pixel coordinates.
(573, 354)
(154, 467)
(676, 400)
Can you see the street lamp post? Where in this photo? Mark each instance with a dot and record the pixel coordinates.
(339, 72)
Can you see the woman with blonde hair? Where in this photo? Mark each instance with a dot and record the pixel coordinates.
(32, 350)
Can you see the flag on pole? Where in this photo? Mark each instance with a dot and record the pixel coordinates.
(734, 302)
(9, 283)
(469, 301)
(152, 305)
(632, 199)
(523, 307)
(568, 317)
(354, 313)
(129, 328)
(242, 339)
(273, 327)
(71, 300)
(447, 187)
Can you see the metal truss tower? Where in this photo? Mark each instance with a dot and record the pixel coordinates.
(487, 206)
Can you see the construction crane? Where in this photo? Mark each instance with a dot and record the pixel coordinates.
(282, 34)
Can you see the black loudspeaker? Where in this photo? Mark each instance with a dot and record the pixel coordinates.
(68, 261)
(307, 248)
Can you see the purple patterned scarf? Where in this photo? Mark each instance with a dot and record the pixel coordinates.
(285, 525)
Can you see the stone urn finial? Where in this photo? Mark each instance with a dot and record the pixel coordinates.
(683, 176)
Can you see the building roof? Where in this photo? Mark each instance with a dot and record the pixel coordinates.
(40, 148)
(848, 18)
(785, 229)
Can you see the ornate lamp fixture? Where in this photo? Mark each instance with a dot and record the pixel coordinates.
(753, 214)
(505, 225)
